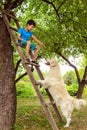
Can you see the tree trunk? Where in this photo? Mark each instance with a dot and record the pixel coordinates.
(80, 89)
(7, 85)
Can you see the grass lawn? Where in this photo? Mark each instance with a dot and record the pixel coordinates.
(30, 116)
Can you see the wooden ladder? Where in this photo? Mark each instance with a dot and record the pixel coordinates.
(30, 74)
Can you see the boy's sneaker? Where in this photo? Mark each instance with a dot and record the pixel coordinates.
(35, 62)
(27, 60)
(47, 63)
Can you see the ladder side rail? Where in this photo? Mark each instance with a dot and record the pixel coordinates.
(46, 110)
(55, 107)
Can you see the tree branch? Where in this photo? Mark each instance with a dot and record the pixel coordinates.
(17, 65)
(7, 13)
(85, 37)
(51, 3)
(16, 3)
(62, 3)
(12, 4)
(76, 71)
(85, 76)
(20, 77)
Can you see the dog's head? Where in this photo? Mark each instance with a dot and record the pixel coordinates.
(52, 62)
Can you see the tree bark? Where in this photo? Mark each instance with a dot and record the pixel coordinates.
(82, 84)
(7, 78)
(80, 90)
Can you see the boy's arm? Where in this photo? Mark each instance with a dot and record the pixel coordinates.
(19, 37)
(38, 41)
(19, 34)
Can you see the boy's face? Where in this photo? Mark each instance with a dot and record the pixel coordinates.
(30, 27)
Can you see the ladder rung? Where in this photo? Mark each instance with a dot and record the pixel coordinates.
(33, 64)
(20, 45)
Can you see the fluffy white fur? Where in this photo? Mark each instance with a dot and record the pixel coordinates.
(55, 84)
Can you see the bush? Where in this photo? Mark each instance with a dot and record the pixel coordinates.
(72, 89)
(69, 77)
(25, 89)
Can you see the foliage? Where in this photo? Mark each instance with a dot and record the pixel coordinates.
(65, 34)
(24, 89)
(71, 82)
(72, 90)
(69, 77)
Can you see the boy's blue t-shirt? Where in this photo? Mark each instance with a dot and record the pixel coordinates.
(25, 34)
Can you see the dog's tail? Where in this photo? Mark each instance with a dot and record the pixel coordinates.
(79, 103)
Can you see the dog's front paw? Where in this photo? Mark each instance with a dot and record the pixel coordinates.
(66, 126)
(38, 83)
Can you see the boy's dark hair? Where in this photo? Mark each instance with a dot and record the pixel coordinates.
(31, 22)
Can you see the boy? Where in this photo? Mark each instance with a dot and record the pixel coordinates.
(24, 36)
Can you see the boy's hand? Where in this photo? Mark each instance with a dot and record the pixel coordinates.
(38, 41)
(41, 44)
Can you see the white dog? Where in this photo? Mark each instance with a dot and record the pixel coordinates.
(55, 84)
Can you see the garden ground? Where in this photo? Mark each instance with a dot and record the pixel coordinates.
(30, 116)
